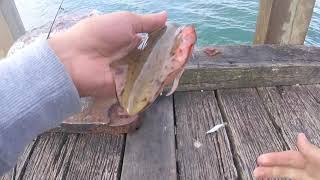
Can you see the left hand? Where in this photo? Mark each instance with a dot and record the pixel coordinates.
(296, 165)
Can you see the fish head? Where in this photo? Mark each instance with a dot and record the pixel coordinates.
(180, 53)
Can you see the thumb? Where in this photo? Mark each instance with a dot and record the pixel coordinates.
(150, 22)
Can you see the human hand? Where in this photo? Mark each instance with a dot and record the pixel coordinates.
(87, 48)
(296, 165)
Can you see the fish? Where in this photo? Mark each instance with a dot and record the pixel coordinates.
(159, 61)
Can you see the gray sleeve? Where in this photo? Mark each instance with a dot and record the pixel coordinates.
(36, 94)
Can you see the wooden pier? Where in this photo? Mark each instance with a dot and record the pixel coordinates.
(266, 94)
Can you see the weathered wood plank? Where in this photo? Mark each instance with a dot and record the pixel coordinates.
(283, 21)
(150, 151)
(95, 156)
(294, 109)
(24, 159)
(201, 156)
(252, 66)
(50, 157)
(250, 129)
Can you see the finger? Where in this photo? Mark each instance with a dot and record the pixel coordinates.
(278, 172)
(287, 158)
(307, 149)
(150, 22)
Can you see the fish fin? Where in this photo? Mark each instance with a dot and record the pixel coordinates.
(175, 83)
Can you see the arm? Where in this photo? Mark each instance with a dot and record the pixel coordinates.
(36, 94)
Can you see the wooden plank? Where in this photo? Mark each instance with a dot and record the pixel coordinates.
(150, 151)
(294, 109)
(201, 156)
(250, 129)
(96, 157)
(283, 21)
(252, 66)
(51, 156)
(11, 26)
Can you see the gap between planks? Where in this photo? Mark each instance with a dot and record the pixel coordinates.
(249, 128)
(230, 137)
(294, 109)
(200, 155)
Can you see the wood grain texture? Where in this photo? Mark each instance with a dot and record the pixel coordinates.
(294, 109)
(71, 156)
(201, 156)
(283, 21)
(50, 157)
(252, 66)
(95, 156)
(250, 128)
(150, 151)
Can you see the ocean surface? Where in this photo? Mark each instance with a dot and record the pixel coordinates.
(217, 21)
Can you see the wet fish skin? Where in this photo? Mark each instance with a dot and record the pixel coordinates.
(141, 76)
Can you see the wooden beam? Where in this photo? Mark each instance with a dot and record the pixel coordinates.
(11, 27)
(252, 66)
(283, 21)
